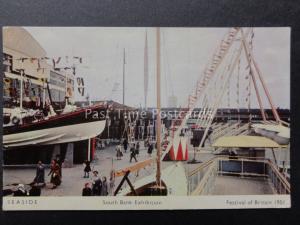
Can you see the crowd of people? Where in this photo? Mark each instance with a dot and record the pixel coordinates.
(100, 186)
(97, 185)
(134, 149)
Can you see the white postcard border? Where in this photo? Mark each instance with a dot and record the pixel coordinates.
(146, 202)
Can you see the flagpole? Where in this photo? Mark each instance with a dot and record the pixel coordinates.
(22, 71)
(124, 77)
(158, 120)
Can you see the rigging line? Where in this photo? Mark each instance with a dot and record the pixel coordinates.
(218, 77)
(226, 66)
(238, 89)
(247, 54)
(217, 103)
(215, 61)
(207, 74)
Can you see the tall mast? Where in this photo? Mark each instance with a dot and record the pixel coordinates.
(146, 70)
(158, 121)
(124, 62)
(21, 89)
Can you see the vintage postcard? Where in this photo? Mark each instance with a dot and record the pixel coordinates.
(131, 118)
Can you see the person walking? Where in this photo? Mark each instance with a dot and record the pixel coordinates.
(40, 174)
(150, 149)
(119, 153)
(146, 142)
(132, 153)
(138, 148)
(86, 191)
(59, 161)
(55, 174)
(111, 183)
(97, 184)
(87, 169)
(104, 189)
(125, 144)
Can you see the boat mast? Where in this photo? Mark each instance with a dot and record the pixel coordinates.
(158, 120)
(146, 70)
(21, 89)
(124, 62)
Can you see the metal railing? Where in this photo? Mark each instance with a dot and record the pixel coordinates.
(201, 180)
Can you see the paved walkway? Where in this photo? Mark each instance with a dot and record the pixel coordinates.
(230, 185)
(105, 161)
(73, 181)
(72, 178)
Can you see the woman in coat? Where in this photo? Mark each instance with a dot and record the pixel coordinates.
(138, 148)
(125, 144)
(111, 183)
(97, 184)
(40, 174)
(55, 174)
(104, 190)
(119, 153)
(150, 149)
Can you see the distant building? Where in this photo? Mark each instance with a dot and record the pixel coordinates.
(22, 52)
(172, 101)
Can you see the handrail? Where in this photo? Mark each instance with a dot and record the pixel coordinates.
(268, 162)
(279, 175)
(202, 166)
(207, 163)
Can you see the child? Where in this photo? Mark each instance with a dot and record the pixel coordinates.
(86, 191)
(87, 169)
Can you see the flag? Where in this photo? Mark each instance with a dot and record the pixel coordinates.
(80, 81)
(32, 60)
(79, 58)
(81, 90)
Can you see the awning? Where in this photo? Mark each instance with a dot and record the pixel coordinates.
(244, 141)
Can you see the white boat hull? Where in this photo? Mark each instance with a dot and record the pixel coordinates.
(173, 177)
(56, 135)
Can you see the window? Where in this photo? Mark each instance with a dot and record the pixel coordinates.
(57, 79)
(7, 62)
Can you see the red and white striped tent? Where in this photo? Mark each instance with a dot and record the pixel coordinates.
(178, 150)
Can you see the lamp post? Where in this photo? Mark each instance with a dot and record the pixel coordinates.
(21, 89)
(108, 123)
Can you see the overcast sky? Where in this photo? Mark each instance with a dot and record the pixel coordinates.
(185, 52)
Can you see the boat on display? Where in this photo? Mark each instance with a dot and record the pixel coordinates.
(278, 133)
(79, 124)
(173, 182)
